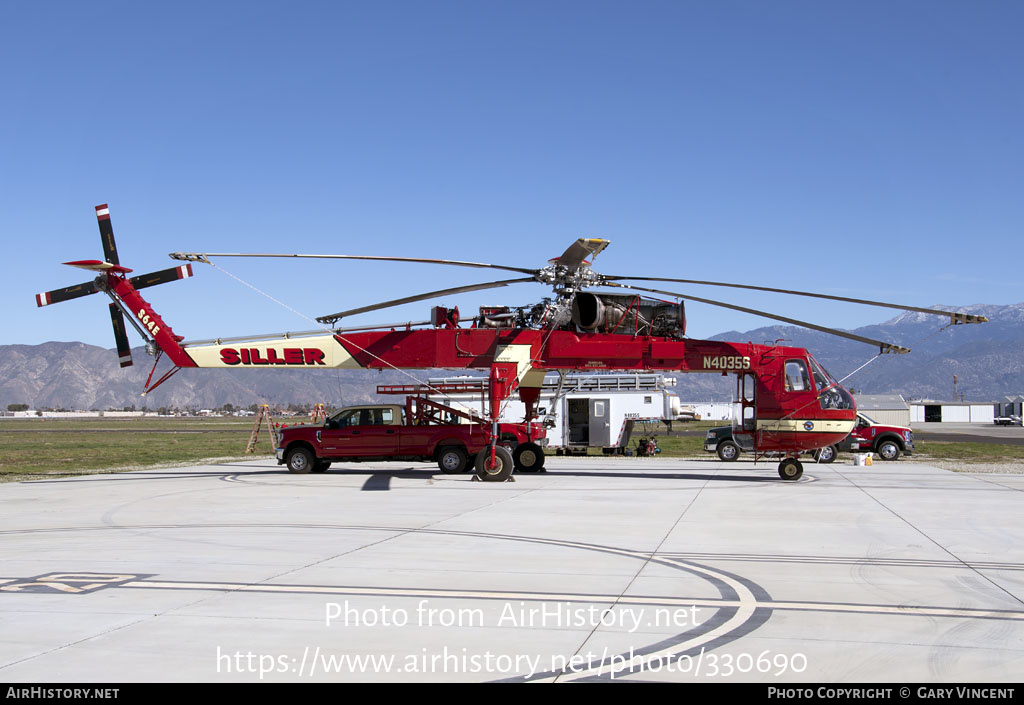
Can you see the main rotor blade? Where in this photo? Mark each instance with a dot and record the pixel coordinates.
(420, 297)
(577, 252)
(124, 350)
(883, 347)
(203, 257)
(107, 234)
(954, 316)
(66, 294)
(162, 277)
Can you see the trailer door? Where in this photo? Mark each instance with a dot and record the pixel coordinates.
(600, 423)
(578, 419)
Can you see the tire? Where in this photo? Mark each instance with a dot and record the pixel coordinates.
(300, 460)
(888, 449)
(826, 455)
(790, 469)
(503, 465)
(452, 460)
(728, 451)
(528, 457)
(321, 466)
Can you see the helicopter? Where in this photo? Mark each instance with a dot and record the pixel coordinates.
(787, 402)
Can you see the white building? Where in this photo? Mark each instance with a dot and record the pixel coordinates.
(890, 409)
(930, 411)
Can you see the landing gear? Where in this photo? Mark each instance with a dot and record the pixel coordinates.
(500, 470)
(528, 457)
(791, 469)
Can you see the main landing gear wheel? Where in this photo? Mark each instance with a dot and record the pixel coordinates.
(452, 460)
(498, 471)
(300, 461)
(528, 457)
(790, 469)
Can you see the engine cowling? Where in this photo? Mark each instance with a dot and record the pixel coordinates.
(628, 315)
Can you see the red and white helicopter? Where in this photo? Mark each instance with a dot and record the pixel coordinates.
(788, 403)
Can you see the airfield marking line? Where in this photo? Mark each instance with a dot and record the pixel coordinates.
(644, 600)
(746, 606)
(637, 573)
(847, 560)
(395, 533)
(936, 543)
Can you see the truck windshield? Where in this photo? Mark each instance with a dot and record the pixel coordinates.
(830, 394)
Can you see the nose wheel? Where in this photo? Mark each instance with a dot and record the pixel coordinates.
(791, 469)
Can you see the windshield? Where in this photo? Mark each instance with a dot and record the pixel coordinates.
(830, 394)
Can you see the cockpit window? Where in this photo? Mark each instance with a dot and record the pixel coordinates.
(796, 376)
(830, 394)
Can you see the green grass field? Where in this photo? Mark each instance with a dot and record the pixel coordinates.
(30, 448)
(969, 452)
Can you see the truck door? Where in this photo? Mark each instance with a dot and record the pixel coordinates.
(380, 435)
(600, 423)
(360, 432)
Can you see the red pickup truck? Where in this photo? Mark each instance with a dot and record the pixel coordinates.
(419, 430)
(868, 435)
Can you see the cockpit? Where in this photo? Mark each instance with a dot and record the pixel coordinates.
(830, 394)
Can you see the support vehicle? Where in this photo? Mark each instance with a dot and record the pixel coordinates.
(888, 441)
(418, 430)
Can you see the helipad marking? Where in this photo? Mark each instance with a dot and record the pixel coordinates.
(71, 583)
(80, 583)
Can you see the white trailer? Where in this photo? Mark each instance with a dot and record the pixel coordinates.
(585, 411)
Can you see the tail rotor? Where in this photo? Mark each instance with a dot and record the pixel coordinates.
(109, 272)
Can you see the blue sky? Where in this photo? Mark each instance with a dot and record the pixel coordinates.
(867, 149)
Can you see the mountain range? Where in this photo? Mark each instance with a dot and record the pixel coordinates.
(987, 359)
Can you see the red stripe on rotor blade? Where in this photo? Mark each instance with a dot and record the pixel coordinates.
(105, 214)
(43, 299)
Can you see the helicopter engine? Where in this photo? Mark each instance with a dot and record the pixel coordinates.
(629, 315)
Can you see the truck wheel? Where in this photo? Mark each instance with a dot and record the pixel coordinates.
(321, 466)
(728, 451)
(790, 469)
(888, 450)
(826, 454)
(500, 471)
(528, 457)
(300, 460)
(452, 460)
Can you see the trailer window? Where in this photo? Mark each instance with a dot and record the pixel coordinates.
(797, 379)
